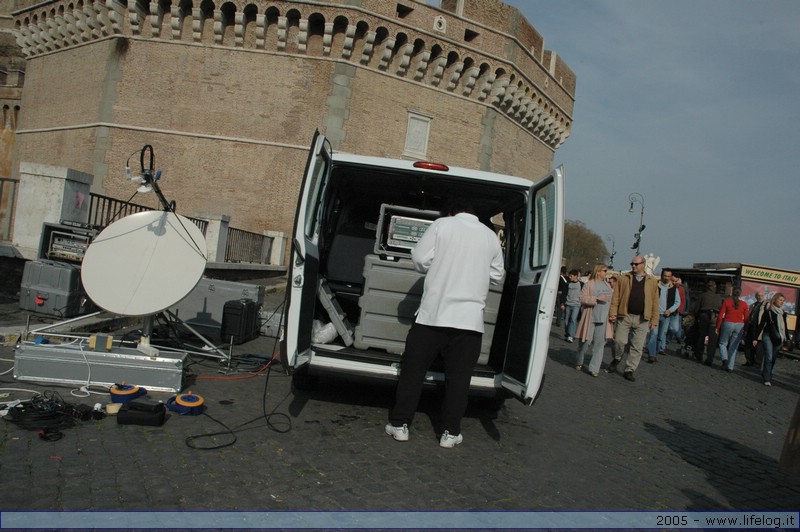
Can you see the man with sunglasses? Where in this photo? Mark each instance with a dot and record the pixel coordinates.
(634, 308)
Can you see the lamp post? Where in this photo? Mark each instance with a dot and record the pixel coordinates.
(610, 238)
(635, 197)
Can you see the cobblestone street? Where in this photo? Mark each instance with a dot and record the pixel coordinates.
(684, 436)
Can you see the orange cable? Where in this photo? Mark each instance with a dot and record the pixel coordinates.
(240, 377)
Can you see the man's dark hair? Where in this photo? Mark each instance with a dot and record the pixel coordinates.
(574, 272)
(457, 205)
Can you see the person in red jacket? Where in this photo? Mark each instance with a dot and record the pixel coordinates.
(730, 324)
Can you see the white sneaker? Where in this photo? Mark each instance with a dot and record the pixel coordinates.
(767, 383)
(448, 441)
(569, 339)
(398, 433)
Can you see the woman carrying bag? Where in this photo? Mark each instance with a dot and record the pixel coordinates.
(772, 331)
(594, 326)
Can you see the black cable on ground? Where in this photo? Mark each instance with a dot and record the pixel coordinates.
(267, 416)
(45, 412)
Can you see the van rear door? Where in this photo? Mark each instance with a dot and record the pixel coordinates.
(529, 336)
(304, 261)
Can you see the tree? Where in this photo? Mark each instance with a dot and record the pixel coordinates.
(582, 247)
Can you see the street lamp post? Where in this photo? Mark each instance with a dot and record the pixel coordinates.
(610, 238)
(635, 197)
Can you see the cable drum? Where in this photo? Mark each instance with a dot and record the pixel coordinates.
(187, 404)
(124, 393)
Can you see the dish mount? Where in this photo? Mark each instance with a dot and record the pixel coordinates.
(145, 262)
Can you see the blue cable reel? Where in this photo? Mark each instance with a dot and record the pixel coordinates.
(124, 393)
(188, 404)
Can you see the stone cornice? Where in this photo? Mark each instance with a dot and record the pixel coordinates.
(360, 38)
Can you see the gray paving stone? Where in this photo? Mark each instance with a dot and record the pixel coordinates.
(683, 436)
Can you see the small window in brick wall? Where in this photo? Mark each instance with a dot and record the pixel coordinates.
(403, 11)
(417, 136)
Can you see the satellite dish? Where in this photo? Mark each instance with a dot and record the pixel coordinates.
(144, 263)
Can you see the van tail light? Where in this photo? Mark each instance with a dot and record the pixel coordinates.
(431, 166)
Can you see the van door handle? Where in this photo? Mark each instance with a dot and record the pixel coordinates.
(300, 258)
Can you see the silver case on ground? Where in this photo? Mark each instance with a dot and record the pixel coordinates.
(63, 364)
(203, 307)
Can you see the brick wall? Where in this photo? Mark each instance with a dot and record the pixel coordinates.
(230, 105)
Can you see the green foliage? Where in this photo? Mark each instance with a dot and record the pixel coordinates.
(582, 247)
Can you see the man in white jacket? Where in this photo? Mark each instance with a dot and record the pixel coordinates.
(461, 257)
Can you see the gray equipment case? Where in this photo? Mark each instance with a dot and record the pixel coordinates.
(51, 288)
(204, 306)
(392, 293)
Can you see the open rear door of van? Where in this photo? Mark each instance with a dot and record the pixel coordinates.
(304, 261)
(534, 304)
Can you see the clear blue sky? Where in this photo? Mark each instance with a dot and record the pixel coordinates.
(695, 104)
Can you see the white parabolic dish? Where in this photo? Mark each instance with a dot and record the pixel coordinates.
(144, 263)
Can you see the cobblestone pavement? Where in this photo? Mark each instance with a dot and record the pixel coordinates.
(683, 437)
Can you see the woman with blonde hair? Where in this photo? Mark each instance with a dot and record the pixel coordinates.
(773, 333)
(594, 326)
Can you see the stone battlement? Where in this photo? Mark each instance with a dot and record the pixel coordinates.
(505, 66)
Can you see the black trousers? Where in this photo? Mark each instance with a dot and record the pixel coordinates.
(459, 350)
(750, 352)
(706, 322)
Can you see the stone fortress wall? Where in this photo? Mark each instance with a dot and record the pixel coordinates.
(229, 93)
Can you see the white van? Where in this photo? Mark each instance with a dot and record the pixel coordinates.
(353, 291)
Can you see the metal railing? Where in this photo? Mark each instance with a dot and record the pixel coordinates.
(103, 210)
(241, 246)
(245, 246)
(8, 194)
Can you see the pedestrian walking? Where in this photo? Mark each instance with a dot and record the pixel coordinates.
(561, 296)
(705, 314)
(675, 331)
(668, 303)
(572, 304)
(594, 327)
(751, 328)
(772, 331)
(733, 314)
(634, 308)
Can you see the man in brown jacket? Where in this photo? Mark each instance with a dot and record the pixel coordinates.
(634, 308)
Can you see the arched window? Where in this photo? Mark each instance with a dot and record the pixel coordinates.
(316, 34)
(338, 36)
(293, 30)
(186, 19)
(207, 21)
(381, 34)
(165, 18)
(360, 40)
(398, 52)
(271, 28)
(420, 56)
(249, 21)
(228, 20)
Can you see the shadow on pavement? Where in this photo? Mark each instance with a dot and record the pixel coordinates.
(730, 467)
(561, 353)
(381, 395)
